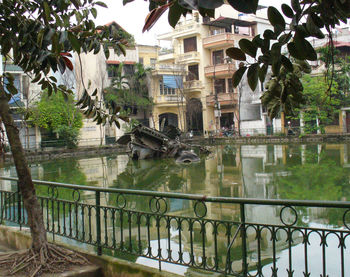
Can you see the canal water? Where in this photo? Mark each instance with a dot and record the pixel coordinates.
(295, 171)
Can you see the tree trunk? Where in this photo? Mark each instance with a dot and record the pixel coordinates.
(25, 183)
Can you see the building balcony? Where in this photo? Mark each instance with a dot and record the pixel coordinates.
(169, 99)
(166, 55)
(160, 69)
(182, 29)
(189, 57)
(220, 70)
(194, 85)
(219, 40)
(224, 98)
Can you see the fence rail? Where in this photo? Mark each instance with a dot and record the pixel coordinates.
(194, 230)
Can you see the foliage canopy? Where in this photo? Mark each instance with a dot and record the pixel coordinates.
(58, 116)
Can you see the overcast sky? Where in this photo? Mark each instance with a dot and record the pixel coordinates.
(132, 17)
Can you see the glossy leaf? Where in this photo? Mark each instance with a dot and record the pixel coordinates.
(253, 76)
(237, 76)
(247, 6)
(74, 42)
(275, 17)
(248, 47)
(236, 54)
(287, 63)
(153, 17)
(175, 12)
(294, 52)
(263, 72)
(104, 5)
(313, 29)
(210, 5)
(288, 12)
(296, 6)
(68, 63)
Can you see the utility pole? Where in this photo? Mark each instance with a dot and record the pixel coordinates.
(217, 110)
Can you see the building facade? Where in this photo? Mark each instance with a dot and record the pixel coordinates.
(207, 102)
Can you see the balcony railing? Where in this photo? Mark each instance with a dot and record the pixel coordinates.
(224, 39)
(171, 68)
(225, 99)
(165, 51)
(224, 69)
(193, 84)
(169, 98)
(189, 57)
(185, 229)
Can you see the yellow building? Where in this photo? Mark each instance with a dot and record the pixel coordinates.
(205, 101)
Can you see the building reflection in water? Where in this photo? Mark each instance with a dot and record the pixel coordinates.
(248, 171)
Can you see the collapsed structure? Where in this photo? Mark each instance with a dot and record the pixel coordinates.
(146, 143)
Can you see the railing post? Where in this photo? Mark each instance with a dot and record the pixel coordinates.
(244, 241)
(98, 223)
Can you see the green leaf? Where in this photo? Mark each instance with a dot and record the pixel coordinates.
(276, 66)
(253, 76)
(11, 88)
(76, 4)
(210, 5)
(287, 63)
(117, 124)
(104, 5)
(296, 5)
(40, 37)
(285, 38)
(304, 48)
(275, 17)
(269, 34)
(74, 42)
(313, 29)
(206, 12)
(248, 47)
(37, 78)
(263, 72)
(174, 14)
(93, 12)
(247, 6)
(288, 12)
(294, 52)
(46, 11)
(237, 76)
(236, 54)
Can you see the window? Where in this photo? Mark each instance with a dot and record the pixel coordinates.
(164, 89)
(112, 70)
(230, 86)
(141, 60)
(169, 83)
(192, 73)
(153, 62)
(219, 85)
(218, 57)
(128, 69)
(190, 44)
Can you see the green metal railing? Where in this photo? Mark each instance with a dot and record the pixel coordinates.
(260, 238)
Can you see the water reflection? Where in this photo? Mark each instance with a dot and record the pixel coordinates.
(319, 172)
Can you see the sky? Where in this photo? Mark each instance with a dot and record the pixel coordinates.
(132, 18)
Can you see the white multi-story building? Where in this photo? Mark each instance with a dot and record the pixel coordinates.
(206, 101)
